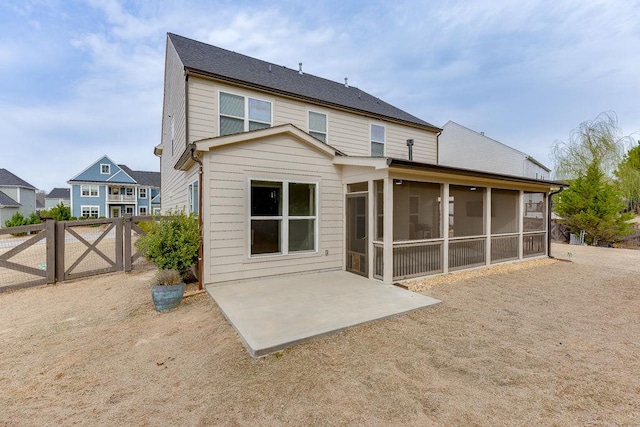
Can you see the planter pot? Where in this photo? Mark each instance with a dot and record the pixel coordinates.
(168, 297)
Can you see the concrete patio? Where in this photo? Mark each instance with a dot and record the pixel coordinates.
(275, 313)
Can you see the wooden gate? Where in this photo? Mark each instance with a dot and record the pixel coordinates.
(52, 252)
(25, 260)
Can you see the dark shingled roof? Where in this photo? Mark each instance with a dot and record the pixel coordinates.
(150, 179)
(59, 193)
(8, 179)
(7, 202)
(234, 67)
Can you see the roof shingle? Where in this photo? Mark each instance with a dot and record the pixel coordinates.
(8, 202)
(232, 66)
(10, 180)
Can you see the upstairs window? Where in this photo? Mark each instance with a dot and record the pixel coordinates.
(377, 140)
(89, 190)
(318, 126)
(142, 193)
(105, 169)
(241, 114)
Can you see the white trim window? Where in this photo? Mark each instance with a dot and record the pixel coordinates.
(105, 168)
(142, 193)
(377, 140)
(128, 210)
(156, 211)
(128, 191)
(318, 125)
(283, 217)
(142, 210)
(89, 190)
(90, 211)
(241, 114)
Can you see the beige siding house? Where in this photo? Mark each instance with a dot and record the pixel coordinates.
(291, 173)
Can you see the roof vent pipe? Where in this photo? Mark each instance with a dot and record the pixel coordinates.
(410, 146)
(346, 82)
(300, 69)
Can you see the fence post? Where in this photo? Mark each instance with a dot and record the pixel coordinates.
(118, 223)
(59, 250)
(127, 244)
(50, 231)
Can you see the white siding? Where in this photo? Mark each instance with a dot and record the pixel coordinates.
(173, 182)
(227, 174)
(348, 132)
(464, 148)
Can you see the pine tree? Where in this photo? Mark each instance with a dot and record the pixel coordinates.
(594, 205)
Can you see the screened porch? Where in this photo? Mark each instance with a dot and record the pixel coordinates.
(478, 226)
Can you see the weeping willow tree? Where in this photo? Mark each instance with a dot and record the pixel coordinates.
(596, 142)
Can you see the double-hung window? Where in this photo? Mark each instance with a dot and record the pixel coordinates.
(193, 197)
(283, 217)
(242, 114)
(377, 140)
(318, 126)
(105, 168)
(90, 211)
(89, 190)
(142, 193)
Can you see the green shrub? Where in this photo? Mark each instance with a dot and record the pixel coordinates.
(73, 218)
(18, 220)
(173, 243)
(145, 225)
(60, 212)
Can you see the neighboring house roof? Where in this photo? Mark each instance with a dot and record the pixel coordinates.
(146, 178)
(237, 68)
(7, 202)
(7, 179)
(117, 174)
(59, 193)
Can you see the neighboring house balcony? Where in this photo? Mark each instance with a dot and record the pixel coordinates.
(121, 195)
(120, 198)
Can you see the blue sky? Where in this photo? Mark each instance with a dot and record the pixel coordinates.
(79, 79)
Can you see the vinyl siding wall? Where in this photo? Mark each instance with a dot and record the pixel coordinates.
(464, 148)
(173, 182)
(228, 171)
(348, 132)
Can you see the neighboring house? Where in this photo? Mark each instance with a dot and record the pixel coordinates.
(106, 189)
(293, 173)
(16, 195)
(462, 147)
(57, 196)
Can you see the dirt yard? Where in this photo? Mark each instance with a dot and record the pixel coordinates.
(540, 343)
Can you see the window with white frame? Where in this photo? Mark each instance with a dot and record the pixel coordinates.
(142, 193)
(105, 168)
(128, 191)
(142, 210)
(89, 190)
(242, 114)
(283, 217)
(156, 211)
(377, 140)
(193, 197)
(318, 126)
(128, 210)
(90, 211)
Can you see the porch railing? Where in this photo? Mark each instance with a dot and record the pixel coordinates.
(534, 244)
(504, 247)
(466, 253)
(414, 259)
(121, 198)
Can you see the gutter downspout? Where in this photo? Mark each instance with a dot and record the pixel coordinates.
(550, 207)
(200, 221)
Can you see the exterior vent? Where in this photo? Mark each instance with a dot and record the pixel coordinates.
(346, 82)
(300, 69)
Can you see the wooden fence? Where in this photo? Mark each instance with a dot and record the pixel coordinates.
(55, 251)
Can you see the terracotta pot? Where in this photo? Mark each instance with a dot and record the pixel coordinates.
(167, 297)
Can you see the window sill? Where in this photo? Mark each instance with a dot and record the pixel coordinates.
(280, 256)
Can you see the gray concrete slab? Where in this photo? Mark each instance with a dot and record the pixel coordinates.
(272, 314)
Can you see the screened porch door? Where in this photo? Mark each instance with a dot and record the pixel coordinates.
(357, 241)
